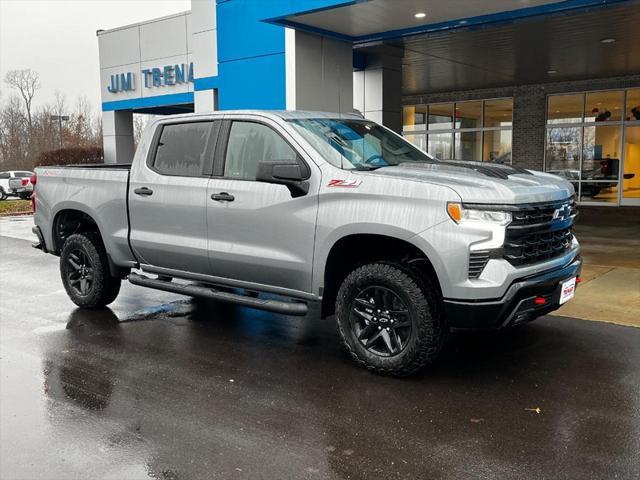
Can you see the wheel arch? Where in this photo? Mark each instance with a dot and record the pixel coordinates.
(75, 219)
(356, 249)
(68, 221)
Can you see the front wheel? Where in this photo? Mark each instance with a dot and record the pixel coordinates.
(3, 194)
(84, 269)
(388, 318)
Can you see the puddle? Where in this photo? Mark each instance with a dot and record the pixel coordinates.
(172, 309)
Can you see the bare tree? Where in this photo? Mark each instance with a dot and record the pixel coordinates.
(140, 122)
(26, 82)
(21, 147)
(13, 141)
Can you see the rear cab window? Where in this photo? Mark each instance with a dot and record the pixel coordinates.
(185, 149)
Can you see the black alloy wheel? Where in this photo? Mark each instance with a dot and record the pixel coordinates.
(85, 272)
(381, 321)
(81, 274)
(388, 316)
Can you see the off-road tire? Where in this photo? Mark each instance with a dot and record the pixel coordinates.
(422, 299)
(104, 288)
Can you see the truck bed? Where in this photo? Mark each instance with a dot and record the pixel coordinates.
(98, 166)
(98, 190)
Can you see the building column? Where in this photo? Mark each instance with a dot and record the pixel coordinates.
(117, 136)
(205, 100)
(204, 41)
(318, 73)
(377, 90)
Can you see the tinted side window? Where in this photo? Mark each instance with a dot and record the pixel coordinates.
(5, 175)
(250, 143)
(182, 149)
(23, 174)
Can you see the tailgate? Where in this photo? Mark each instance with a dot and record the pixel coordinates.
(15, 183)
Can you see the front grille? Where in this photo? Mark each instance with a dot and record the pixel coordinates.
(537, 233)
(477, 261)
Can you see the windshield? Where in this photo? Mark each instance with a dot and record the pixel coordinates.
(357, 144)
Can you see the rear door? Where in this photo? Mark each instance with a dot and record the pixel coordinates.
(258, 232)
(168, 197)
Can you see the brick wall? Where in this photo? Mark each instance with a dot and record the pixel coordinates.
(529, 110)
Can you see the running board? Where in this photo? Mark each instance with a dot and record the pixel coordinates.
(286, 308)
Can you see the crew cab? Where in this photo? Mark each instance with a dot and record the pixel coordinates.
(280, 210)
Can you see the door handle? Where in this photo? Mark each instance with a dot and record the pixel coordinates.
(222, 197)
(144, 191)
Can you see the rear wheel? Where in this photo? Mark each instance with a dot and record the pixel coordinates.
(84, 269)
(388, 318)
(3, 194)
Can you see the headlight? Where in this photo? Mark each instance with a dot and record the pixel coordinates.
(460, 214)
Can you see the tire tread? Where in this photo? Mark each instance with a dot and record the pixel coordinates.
(105, 287)
(424, 298)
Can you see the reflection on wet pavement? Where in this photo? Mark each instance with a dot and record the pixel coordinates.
(166, 388)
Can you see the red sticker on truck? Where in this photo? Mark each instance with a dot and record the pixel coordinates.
(344, 183)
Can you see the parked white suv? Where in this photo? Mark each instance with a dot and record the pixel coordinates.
(17, 183)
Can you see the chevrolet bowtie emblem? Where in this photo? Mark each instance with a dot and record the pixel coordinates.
(560, 212)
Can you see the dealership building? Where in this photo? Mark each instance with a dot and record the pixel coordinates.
(548, 85)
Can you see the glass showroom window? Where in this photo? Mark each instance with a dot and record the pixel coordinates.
(471, 130)
(588, 137)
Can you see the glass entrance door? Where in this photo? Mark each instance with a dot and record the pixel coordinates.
(631, 166)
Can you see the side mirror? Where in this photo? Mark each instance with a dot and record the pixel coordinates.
(290, 173)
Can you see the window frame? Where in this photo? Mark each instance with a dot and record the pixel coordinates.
(622, 123)
(224, 134)
(212, 141)
(426, 132)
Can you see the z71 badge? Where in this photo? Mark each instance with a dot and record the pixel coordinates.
(344, 183)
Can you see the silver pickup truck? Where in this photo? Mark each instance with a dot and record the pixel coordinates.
(278, 210)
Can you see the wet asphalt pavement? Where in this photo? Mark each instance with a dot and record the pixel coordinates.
(164, 388)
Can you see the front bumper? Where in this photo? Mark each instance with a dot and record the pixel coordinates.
(516, 306)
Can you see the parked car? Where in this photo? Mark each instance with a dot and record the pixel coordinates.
(316, 208)
(21, 186)
(11, 183)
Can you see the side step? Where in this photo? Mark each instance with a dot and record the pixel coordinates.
(286, 308)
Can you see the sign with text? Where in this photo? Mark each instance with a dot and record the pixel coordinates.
(168, 75)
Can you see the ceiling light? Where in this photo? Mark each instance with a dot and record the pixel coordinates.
(608, 40)
(551, 72)
(420, 15)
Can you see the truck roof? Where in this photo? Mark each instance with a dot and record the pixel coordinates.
(277, 114)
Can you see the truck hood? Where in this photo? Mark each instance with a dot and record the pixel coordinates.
(484, 182)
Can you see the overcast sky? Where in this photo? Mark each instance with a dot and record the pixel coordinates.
(57, 38)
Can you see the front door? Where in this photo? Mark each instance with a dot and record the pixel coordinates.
(168, 197)
(631, 165)
(258, 232)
